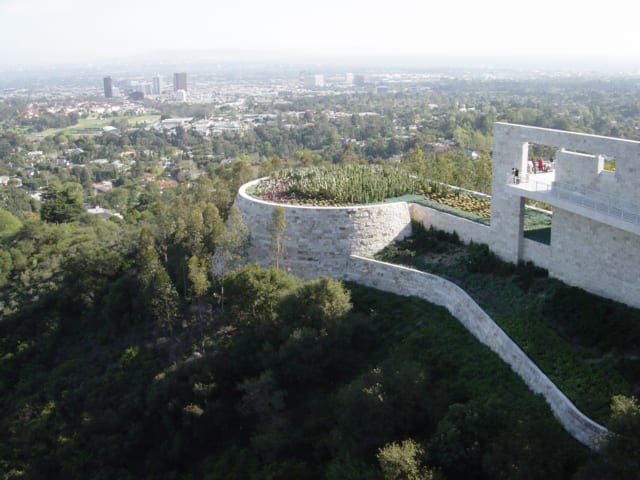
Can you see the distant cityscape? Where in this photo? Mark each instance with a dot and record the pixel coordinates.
(160, 88)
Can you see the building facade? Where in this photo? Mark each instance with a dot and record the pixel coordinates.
(156, 88)
(594, 240)
(108, 87)
(180, 81)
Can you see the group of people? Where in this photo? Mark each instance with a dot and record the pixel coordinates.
(533, 166)
(515, 173)
(539, 165)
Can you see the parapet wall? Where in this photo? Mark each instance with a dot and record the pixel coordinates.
(434, 289)
(319, 240)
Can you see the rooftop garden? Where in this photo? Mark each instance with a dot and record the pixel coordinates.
(360, 184)
(341, 185)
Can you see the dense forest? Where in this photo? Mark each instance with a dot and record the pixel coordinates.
(145, 346)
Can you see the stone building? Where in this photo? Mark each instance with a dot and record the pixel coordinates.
(594, 242)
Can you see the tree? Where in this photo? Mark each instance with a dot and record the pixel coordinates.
(6, 266)
(620, 455)
(62, 203)
(256, 293)
(277, 229)
(344, 467)
(231, 248)
(161, 297)
(9, 224)
(483, 174)
(320, 304)
(198, 276)
(241, 173)
(414, 158)
(401, 461)
(625, 421)
(16, 200)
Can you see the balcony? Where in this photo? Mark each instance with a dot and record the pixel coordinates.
(579, 200)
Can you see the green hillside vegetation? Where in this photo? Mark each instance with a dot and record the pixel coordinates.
(586, 344)
(295, 380)
(114, 365)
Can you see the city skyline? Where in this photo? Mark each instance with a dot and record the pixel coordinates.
(37, 32)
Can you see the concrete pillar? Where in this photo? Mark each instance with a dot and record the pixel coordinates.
(507, 210)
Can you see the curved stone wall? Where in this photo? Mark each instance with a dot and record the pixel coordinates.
(319, 240)
(434, 289)
(327, 241)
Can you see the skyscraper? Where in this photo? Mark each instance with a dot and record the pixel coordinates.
(108, 87)
(180, 81)
(157, 85)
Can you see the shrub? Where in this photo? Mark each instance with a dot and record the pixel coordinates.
(597, 322)
(480, 259)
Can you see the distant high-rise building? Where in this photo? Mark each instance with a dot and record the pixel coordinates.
(180, 81)
(348, 78)
(108, 87)
(181, 95)
(314, 81)
(157, 85)
(359, 80)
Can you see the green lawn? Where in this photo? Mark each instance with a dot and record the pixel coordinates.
(97, 123)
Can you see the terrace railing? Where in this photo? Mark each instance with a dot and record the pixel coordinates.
(585, 197)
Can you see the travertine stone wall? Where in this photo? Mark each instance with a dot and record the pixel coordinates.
(509, 151)
(466, 229)
(597, 257)
(590, 248)
(319, 240)
(507, 212)
(582, 170)
(434, 289)
(578, 168)
(536, 252)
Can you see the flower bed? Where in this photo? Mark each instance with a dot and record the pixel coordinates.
(463, 201)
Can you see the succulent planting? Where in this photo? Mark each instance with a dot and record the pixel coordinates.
(360, 184)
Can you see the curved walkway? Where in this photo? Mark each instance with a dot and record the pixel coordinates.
(407, 281)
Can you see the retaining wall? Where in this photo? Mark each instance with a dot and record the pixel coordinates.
(319, 240)
(536, 252)
(434, 289)
(467, 230)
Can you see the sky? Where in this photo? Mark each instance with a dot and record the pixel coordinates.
(36, 32)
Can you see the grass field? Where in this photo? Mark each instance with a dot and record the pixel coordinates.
(84, 123)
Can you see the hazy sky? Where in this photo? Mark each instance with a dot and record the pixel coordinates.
(33, 31)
